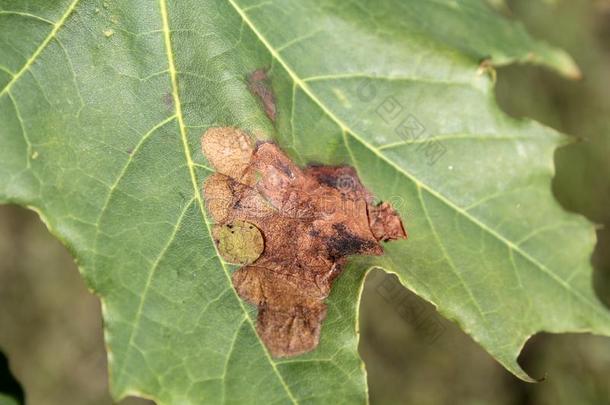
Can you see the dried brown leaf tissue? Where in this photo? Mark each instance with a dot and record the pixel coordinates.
(292, 230)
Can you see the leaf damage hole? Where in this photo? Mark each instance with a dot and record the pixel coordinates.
(292, 230)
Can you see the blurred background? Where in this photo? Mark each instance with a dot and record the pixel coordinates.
(51, 328)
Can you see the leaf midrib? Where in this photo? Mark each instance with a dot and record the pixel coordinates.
(344, 127)
(191, 167)
(180, 119)
(57, 26)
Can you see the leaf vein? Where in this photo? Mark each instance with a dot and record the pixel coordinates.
(146, 289)
(301, 83)
(41, 47)
(28, 15)
(177, 105)
(448, 258)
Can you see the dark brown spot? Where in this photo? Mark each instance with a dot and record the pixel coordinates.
(344, 243)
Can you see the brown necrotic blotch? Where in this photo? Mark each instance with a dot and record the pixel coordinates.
(292, 229)
(259, 85)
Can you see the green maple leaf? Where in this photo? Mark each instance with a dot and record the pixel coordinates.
(101, 111)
